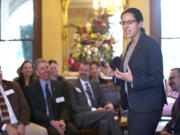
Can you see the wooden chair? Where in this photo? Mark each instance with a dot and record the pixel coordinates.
(123, 124)
(112, 93)
(88, 132)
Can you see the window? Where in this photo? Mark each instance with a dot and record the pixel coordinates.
(116, 31)
(18, 34)
(170, 34)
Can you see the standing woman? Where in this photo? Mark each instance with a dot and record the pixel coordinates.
(140, 76)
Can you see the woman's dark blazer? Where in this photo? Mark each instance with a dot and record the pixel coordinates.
(146, 92)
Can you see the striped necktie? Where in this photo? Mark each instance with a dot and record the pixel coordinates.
(89, 93)
(4, 110)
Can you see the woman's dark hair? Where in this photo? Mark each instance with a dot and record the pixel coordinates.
(95, 63)
(20, 79)
(136, 12)
(52, 61)
(20, 73)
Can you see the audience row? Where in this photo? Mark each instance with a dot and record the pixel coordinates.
(57, 107)
(48, 104)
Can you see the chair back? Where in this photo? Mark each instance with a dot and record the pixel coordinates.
(112, 93)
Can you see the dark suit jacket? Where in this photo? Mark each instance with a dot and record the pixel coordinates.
(38, 105)
(17, 101)
(21, 82)
(168, 127)
(147, 93)
(79, 100)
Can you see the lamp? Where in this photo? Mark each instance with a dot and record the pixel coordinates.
(107, 6)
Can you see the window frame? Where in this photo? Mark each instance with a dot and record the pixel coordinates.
(155, 19)
(37, 48)
(37, 43)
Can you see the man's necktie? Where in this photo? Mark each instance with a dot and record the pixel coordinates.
(49, 101)
(89, 93)
(4, 110)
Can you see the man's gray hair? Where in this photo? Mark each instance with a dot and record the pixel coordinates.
(38, 61)
(178, 70)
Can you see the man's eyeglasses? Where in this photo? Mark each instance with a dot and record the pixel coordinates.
(127, 22)
(173, 77)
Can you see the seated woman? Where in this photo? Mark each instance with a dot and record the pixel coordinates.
(56, 76)
(95, 73)
(25, 74)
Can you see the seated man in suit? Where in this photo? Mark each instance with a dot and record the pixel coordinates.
(15, 112)
(173, 127)
(90, 108)
(47, 100)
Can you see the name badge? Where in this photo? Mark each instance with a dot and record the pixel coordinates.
(78, 89)
(9, 92)
(60, 99)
